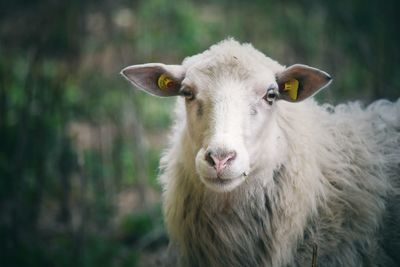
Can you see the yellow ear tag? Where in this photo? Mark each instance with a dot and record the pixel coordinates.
(292, 88)
(164, 82)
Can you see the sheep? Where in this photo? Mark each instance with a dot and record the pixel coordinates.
(258, 174)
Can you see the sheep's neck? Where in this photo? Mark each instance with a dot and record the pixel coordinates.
(236, 223)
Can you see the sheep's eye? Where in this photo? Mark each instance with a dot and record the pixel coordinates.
(188, 94)
(271, 95)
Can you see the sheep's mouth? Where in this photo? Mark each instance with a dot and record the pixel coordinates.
(219, 184)
(218, 180)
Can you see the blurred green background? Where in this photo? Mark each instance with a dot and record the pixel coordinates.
(79, 148)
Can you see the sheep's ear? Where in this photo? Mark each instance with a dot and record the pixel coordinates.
(299, 82)
(156, 78)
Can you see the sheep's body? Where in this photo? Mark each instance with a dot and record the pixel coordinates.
(319, 177)
(334, 192)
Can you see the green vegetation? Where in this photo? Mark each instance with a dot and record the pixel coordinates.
(79, 148)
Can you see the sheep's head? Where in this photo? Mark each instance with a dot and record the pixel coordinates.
(230, 94)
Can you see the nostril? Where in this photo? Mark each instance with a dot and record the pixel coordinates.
(209, 158)
(231, 156)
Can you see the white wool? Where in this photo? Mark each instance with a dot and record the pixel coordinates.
(318, 176)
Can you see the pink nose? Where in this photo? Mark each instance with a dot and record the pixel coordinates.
(219, 158)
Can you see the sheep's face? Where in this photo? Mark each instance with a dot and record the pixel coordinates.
(230, 93)
(226, 111)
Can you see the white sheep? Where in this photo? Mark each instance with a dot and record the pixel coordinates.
(254, 176)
